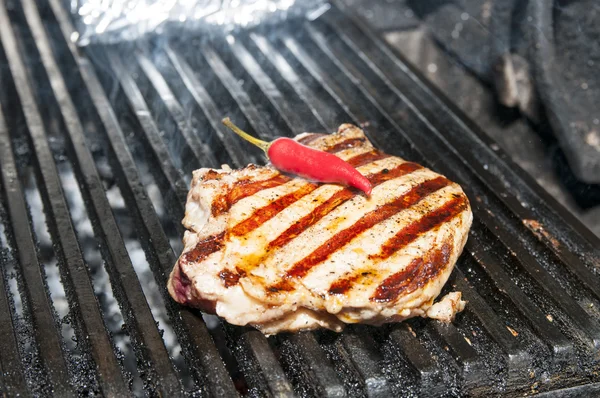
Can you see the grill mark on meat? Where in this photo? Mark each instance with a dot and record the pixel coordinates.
(205, 248)
(419, 227)
(416, 275)
(230, 278)
(367, 157)
(398, 171)
(310, 138)
(265, 213)
(310, 219)
(341, 286)
(246, 188)
(362, 154)
(383, 212)
(346, 144)
(337, 199)
(243, 189)
(282, 285)
(403, 238)
(322, 210)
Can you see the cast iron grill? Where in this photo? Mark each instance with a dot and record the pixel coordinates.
(95, 160)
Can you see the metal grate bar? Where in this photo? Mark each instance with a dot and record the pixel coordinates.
(375, 382)
(327, 82)
(134, 193)
(269, 376)
(12, 380)
(75, 275)
(318, 376)
(264, 373)
(472, 364)
(502, 179)
(308, 342)
(181, 215)
(584, 273)
(340, 92)
(139, 319)
(517, 357)
(86, 306)
(532, 264)
(46, 333)
(370, 53)
(478, 239)
(319, 73)
(198, 347)
(589, 390)
(314, 102)
(364, 89)
(233, 145)
(290, 80)
(561, 348)
(242, 99)
(275, 96)
(460, 128)
(360, 349)
(419, 359)
(201, 152)
(257, 357)
(515, 234)
(151, 134)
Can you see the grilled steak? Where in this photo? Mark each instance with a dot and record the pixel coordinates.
(283, 253)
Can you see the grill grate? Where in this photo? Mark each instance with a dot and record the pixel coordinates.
(132, 122)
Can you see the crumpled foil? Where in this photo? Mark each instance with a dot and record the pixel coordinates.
(110, 21)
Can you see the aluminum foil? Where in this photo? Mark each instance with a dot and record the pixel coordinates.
(111, 21)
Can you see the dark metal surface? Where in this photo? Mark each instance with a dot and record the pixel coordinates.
(138, 118)
(541, 58)
(569, 88)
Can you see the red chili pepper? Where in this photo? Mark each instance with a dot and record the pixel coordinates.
(293, 157)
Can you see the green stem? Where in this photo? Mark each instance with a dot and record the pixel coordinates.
(264, 145)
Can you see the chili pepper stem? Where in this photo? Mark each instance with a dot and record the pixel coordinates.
(264, 145)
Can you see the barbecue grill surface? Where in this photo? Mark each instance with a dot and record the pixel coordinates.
(96, 153)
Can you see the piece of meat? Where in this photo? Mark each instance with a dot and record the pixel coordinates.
(285, 254)
(446, 309)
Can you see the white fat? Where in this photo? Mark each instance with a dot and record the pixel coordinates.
(446, 309)
(302, 319)
(196, 215)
